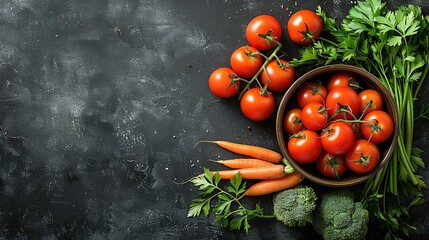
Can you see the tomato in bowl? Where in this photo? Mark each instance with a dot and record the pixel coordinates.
(338, 143)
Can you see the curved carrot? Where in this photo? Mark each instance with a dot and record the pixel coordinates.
(250, 150)
(270, 172)
(239, 163)
(274, 185)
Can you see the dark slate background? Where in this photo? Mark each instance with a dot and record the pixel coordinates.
(102, 102)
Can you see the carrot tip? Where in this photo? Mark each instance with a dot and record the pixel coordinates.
(204, 141)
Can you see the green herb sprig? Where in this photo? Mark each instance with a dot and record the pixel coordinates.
(394, 46)
(227, 207)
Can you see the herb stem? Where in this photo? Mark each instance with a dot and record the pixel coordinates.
(393, 175)
(410, 126)
(328, 41)
(422, 78)
(265, 216)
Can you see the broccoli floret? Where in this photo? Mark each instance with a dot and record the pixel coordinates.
(339, 217)
(295, 206)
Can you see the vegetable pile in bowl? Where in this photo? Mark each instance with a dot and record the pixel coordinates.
(337, 125)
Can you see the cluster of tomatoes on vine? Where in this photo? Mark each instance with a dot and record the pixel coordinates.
(337, 125)
(258, 65)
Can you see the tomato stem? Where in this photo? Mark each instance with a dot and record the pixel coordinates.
(328, 131)
(314, 90)
(353, 84)
(298, 135)
(343, 109)
(363, 159)
(367, 106)
(324, 111)
(262, 68)
(263, 55)
(346, 121)
(333, 163)
(308, 35)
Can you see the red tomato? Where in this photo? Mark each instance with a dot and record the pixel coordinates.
(342, 80)
(292, 121)
(311, 92)
(255, 106)
(314, 116)
(278, 76)
(363, 156)
(246, 61)
(304, 27)
(343, 102)
(304, 147)
(370, 100)
(377, 126)
(331, 166)
(222, 84)
(263, 28)
(337, 138)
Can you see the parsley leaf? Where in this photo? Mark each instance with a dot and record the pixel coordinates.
(227, 208)
(196, 206)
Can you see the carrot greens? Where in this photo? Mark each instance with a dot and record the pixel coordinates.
(394, 46)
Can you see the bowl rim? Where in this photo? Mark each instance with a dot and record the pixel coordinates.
(362, 73)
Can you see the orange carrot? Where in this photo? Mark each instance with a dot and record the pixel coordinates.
(239, 163)
(270, 172)
(274, 185)
(250, 150)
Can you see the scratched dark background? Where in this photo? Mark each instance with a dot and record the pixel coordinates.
(102, 102)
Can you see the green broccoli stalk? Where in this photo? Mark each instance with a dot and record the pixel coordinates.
(339, 217)
(294, 207)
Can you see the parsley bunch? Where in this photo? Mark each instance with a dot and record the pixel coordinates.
(394, 46)
(227, 208)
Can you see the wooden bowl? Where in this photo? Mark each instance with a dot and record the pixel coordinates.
(366, 80)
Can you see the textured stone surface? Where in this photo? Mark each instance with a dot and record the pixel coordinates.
(102, 102)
